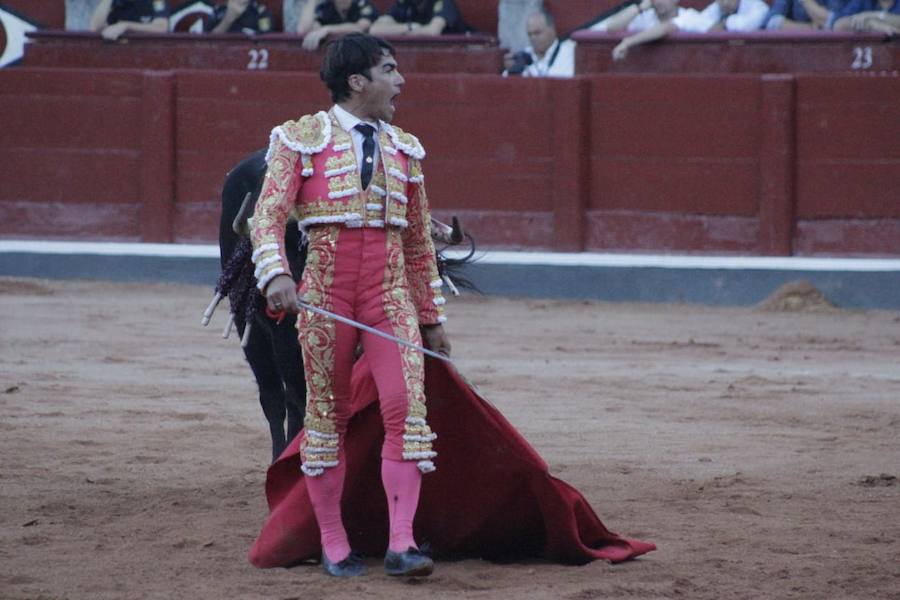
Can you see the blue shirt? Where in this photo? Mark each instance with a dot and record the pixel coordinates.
(857, 6)
(789, 9)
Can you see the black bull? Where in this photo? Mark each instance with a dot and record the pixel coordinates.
(271, 348)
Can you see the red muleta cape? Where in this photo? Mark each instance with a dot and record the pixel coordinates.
(491, 497)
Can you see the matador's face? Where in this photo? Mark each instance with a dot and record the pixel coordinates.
(380, 90)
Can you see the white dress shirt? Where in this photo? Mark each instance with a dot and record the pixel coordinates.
(750, 15)
(563, 65)
(348, 123)
(687, 20)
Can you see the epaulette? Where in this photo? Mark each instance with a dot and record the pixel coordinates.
(405, 142)
(307, 135)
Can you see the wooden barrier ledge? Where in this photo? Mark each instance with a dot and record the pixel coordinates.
(754, 52)
(474, 53)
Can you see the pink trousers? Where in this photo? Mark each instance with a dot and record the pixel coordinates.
(358, 273)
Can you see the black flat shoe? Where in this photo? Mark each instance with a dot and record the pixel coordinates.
(412, 563)
(352, 566)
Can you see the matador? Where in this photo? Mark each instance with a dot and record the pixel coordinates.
(355, 185)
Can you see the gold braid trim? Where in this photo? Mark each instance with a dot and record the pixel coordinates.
(319, 449)
(418, 436)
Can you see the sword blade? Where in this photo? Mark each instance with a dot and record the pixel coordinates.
(372, 330)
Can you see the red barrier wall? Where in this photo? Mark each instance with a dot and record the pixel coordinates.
(674, 163)
(71, 153)
(848, 164)
(773, 164)
(47, 13)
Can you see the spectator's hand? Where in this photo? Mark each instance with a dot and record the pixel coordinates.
(312, 39)
(620, 51)
(860, 22)
(281, 295)
(114, 31)
(508, 60)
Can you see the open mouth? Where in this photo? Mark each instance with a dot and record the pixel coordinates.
(394, 99)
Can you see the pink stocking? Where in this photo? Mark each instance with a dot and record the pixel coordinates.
(402, 481)
(325, 492)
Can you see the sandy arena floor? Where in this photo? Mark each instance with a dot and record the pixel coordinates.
(758, 449)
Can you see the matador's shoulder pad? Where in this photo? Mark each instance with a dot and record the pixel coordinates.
(308, 135)
(405, 142)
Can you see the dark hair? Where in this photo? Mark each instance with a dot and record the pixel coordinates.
(354, 53)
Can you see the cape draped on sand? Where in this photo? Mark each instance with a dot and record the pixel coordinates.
(491, 497)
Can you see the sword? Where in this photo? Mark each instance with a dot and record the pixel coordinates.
(372, 330)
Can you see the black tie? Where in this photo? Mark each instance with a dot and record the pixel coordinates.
(368, 152)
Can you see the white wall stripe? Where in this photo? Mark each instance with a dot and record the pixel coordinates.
(584, 259)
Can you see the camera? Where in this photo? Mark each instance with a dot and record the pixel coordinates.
(520, 61)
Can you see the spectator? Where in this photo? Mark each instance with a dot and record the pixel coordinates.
(547, 56)
(112, 18)
(240, 16)
(731, 15)
(881, 16)
(321, 19)
(736, 15)
(788, 14)
(420, 17)
(821, 15)
(650, 13)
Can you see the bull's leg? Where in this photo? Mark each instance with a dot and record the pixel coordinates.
(290, 365)
(271, 387)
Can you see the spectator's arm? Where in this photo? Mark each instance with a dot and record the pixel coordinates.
(778, 11)
(361, 25)
(319, 32)
(98, 19)
(307, 21)
(116, 30)
(231, 15)
(749, 20)
(434, 27)
(818, 14)
(157, 25)
(621, 19)
(884, 26)
(386, 25)
(788, 25)
(869, 21)
(891, 19)
(644, 37)
(844, 24)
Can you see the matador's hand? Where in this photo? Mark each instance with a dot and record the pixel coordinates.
(435, 338)
(281, 295)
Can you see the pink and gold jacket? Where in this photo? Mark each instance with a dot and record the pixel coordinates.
(312, 177)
